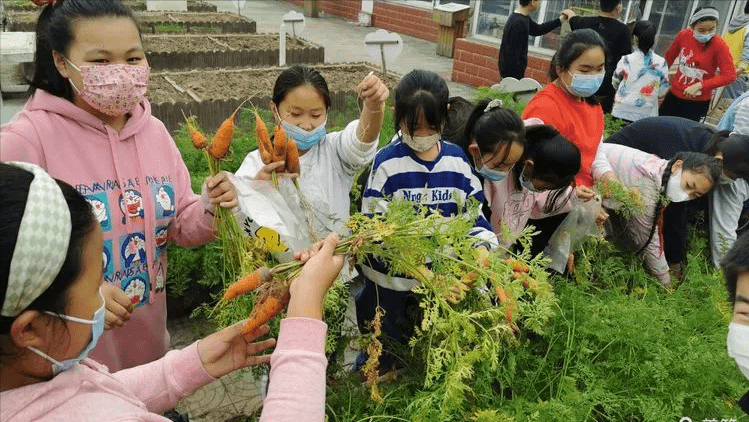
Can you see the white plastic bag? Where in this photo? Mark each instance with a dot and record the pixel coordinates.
(569, 236)
(278, 216)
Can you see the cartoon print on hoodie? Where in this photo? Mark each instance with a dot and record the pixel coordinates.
(133, 250)
(131, 205)
(164, 200)
(100, 205)
(107, 264)
(162, 236)
(137, 288)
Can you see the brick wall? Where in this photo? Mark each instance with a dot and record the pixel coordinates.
(405, 20)
(475, 63)
(394, 17)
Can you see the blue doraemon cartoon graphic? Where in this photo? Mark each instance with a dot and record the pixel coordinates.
(133, 249)
(100, 206)
(137, 289)
(107, 264)
(131, 205)
(164, 201)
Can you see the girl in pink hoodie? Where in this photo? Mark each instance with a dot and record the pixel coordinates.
(88, 123)
(52, 314)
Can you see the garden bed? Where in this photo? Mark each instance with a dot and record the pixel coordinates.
(162, 22)
(212, 95)
(171, 52)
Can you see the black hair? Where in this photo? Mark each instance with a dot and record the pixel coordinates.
(458, 111)
(556, 160)
(54, 32)
(299, 75)
(14, 191)
(524, 3)
(735, 151)
(488, 129)
(696, 162)
(746, 7)
(608, 6)
(734, 263)
(705, 19)
(421, 91)
(644, 30)
(573, 46)
(712, 146)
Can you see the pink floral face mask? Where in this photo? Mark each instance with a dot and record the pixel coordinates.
(113, 89)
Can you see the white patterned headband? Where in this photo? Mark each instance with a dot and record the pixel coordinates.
(42, 242)
(493, 104)
(707, 12)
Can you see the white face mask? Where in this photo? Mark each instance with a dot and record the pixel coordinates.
(738, 346)
(673, 189)
(420, 143)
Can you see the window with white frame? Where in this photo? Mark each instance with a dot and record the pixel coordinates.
(669, 16)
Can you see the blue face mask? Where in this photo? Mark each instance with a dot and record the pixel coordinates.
(305, 139)
(584, 85)
(527, 183)
(97, 329)
(703, 37)
(490, 174)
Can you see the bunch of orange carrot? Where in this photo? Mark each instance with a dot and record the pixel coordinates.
(278, 148)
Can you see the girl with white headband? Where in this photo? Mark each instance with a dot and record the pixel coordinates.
(698, 51)
(52, 315)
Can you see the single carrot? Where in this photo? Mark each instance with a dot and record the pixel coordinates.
(199, 140)
(263, 140)
(222, 139)
(501, 295)
(469, 278)
(509, 310)
(529, 283)
(268, 307)
(518, 265)
(279, 144)
(292, 158)
(248, 283)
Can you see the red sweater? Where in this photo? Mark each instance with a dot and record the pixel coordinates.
(697, 63)
(578, 121)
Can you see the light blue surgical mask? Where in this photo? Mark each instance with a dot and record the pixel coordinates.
(305, 139)
(490, 174)
(703, 37)
(584, 85)
(527, 183)
(97, 329)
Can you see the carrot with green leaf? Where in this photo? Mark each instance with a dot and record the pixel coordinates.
(248, 283)
(266, 308)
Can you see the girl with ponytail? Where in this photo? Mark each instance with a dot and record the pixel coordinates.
(687, 176)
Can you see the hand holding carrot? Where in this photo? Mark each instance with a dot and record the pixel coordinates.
(266, 171)
(119, 307)
(373, 92)
(320, 270)
(221, 191)
(228, 350)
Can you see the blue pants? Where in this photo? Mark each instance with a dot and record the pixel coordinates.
(402, 314)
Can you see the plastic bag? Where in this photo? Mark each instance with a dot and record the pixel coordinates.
(278, 216)
(570, 235)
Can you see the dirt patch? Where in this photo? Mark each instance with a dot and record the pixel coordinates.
(245, 83)
(192, 6)
(147, 18)
(185, 43)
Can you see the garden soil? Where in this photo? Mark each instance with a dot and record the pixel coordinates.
(179, 43)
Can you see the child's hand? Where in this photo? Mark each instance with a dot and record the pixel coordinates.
(228, 350)
(373, 92)
(693, 90)
(566, 14)
(266, 171)
(119, 307)
(321, 267)
(585, 193)
(221, 191)
(601, 217)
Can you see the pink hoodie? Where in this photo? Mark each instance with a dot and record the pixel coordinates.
(140, 191)
(88, 393)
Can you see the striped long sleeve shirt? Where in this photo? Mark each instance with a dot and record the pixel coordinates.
(445, 185)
